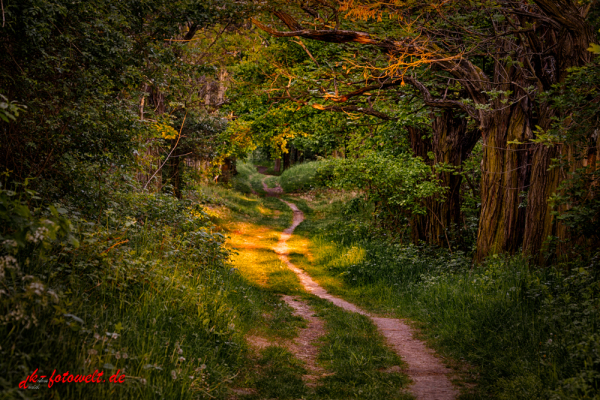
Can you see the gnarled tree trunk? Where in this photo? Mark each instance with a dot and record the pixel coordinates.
(505, 174)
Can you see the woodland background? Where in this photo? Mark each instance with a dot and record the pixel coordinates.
(466, 132)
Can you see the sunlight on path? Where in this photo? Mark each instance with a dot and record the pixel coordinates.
(429, 375)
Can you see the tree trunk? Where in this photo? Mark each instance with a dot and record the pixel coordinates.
(451, 144)
(420, 145)
(286, 160)
(571, 51)
(228, 170)
(505, 172)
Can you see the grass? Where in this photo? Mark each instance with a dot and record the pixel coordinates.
(526, 333)
(149, 292)
(248, 180)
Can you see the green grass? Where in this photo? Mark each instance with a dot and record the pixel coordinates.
(248, 180)
(353, 353)
(278, 375)
(150, 293)
(526, 333)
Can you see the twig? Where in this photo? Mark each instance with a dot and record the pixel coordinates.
(3, 19)
(114, 245)
(169, 155)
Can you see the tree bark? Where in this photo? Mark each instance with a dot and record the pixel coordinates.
(505, 174)
(570, 51)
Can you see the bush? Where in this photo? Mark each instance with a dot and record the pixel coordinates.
(302, 177)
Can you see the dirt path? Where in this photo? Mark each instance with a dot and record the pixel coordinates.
(428, 373)
(271, 192)
(303, 347)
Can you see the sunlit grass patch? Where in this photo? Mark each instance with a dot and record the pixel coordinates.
(316, 263)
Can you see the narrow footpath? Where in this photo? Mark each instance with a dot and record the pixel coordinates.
(429, 375)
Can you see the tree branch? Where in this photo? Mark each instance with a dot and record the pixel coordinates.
(348, 109)
(333, 36)
(430, 101)
(347, 96)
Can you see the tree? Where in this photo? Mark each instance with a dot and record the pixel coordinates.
(503, 55)
(83, 69)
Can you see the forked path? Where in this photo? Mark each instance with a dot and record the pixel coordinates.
(429, 375)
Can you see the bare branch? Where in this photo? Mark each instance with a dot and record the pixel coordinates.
(334, 36)
(366, 89)
(430, 101)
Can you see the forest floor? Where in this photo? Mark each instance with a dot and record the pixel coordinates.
(339, 350)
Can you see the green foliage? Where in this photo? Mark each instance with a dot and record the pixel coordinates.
(396, 186)
(82, 69)
(9, 110)
(577, 200)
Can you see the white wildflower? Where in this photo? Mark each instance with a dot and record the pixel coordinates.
(114, 335)
(118, 355)
(92, 352)
(143, 381)
(180, 351)
(191, 377)
(201, 368)
(7, 262)
(181, 359)
(96, 336)
(10, 243)
(38, 235)
(124, 355)
(37, 288)
(173, 374)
